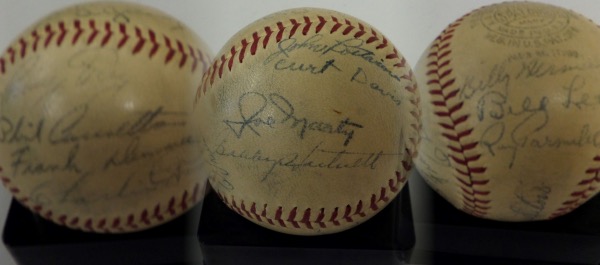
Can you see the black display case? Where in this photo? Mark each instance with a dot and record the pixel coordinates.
(227, 238)
(33, 240)
(449, 236)
(417, 227)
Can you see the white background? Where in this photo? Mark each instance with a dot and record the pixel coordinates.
(409, 24)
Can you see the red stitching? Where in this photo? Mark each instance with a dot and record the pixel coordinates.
(158, 213)
(586, 189)
(361, 32)
(117, 223)
(373, 38)
(171, 52)
(171, 207)
(155, 45)
(297, 218)
(336, 26)
(321, 24)
(11, 53)
(107, 37)
(295, 25)
(94, 34)
(292, 217)
(63, 33)
(182, 51)
(75, 32)
(23, 48)
(141, 41)
(78, 31)
(306, 28)
(267, 33)
(306, 219)
(36, 40)
(50, 34)
(443, 94)
(348, 29)
(144, 217)
(280, 30)
(89, 225)
(125, 37)
(230, 62)
(253, 46)
(297, 221)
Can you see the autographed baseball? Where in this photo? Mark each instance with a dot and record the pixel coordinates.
(309, 119)
(510, 112)
(94, 105)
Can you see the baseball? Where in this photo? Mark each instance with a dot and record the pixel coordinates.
(95, 102)
(309, 119)
(510, 112)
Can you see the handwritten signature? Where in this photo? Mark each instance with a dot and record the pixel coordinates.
(530, 117)
(125, 14)
(69, 128)
(531, 202)
(24, 162)
(319, 44)
(257, 110)
(317, 157)
(26, 135)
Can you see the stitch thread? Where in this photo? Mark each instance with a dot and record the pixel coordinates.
(59, 32)
(586, 189)
(296, 218)
(218, 67)
(472, 188)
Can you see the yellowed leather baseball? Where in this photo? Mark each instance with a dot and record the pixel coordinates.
(510, 112)
(309, 120)
(94, 103)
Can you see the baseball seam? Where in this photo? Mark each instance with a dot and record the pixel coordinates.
(103, 34)
(253, 44)
(462, 152)
(147, 42)
(305, 218)
(587, 188)
(311, 218)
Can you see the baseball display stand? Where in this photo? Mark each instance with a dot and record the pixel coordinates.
(451, 236)
(34, 240)
(228, 238)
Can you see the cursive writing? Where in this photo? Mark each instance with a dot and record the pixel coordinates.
(20, 130)
(539, 69)
(257, 110)
(516, 123)
(360, 76)
(133, 152)
(323, 46)
(95, 69)
(531, 201)
(293, 66)
(317, 157)
(126, 14)
(498, 79)
(70, 127)
(25, 162)
(576, 95)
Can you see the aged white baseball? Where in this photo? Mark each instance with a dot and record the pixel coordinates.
(511, 104)
(309, 120)
(94, 104)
